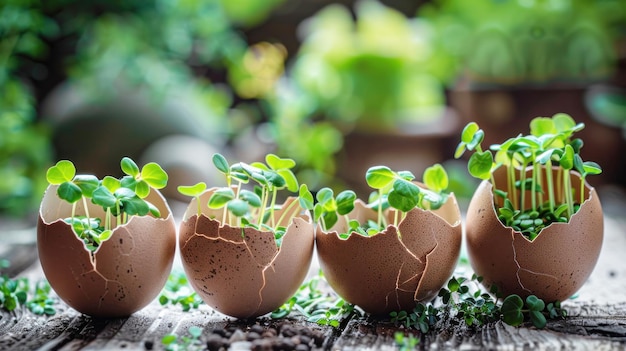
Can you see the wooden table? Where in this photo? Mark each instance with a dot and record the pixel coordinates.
(596, 321)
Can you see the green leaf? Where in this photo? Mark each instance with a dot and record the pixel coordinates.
(305, 197)
(592, 168)
(480, 165)
(221, 197)
(63, 171)
(135, 206)
(195, 332)
(512, 310)
(534, 303)
(220, 163)
(103, 197)
(274, 179)
(168, 339)
(277, 163)
(105, 235)
(111, 183)
(142, 189)
(290, 179)
(478, 138)
(330, 219)
(567, 160)
(404, 196)
(467, 135)
(538, 319)
(129, 167)
(378, 177)
(87, 184)
(345, 202)
(238, 207)
(250, 197)
(69, 192)
(324, 196)
(154, 175)
(541, 126)
(192, 190)
(436, 178)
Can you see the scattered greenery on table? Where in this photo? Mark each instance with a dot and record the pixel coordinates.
(173, 342)
(177, 291)
(18, 292)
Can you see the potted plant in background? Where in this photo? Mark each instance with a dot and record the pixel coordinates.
(362, 84)
(399, 249)
(243, 253)
(534, 225)
(508, 61)
(94, 235)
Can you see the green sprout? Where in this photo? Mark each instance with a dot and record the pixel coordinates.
(19, 292)
(254, 208)
(119, 198)
(178, 292)
(549, 144)
(191, 342)
(395, 190)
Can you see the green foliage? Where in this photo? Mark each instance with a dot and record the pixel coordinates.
(18, 292)
(187, 343)
(119, 198)
(323, 308)
(549, 144)
(512, 42)
(404, 342)
(177, 291)
(462, 299)
(253, 208)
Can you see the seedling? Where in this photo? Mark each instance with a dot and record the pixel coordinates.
(463, 299)
(191, 342)
(396, 190)
(253, 208)
(550, 143)
(119, 198)
(18, 292)
(177, 291)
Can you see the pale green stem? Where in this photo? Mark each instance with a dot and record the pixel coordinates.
(533, 185)
(568, 194)
(264, 196)
(273, 220)
(522, 186)
(550, 182)
(582, 189)
(380, 208)
(288, 209)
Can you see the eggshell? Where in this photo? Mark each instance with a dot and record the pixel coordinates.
(553, 266)
(241, 272)
(390, 272)
(123, 275)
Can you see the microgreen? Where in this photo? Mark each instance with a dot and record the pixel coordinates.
(549, 144)
(394, 189)
(18, 292)
(119, 198)
(254, 208)
(192, 342)
(405, 342)
(464, 300)
(178, 292)
(323, 308)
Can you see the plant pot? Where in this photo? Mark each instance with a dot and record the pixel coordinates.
(553, 266)
(384, 273)
(123, 275)
(241, 272)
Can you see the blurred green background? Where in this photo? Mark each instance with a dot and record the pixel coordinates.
(336, 85)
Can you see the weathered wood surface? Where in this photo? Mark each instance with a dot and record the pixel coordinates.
(596, 321)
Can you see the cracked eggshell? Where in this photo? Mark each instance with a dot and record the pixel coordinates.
(127, 271)
(241, 272)
(385, 273)
(553, 266)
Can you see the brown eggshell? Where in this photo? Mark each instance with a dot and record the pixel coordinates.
(385, 272)
(241, 272)
(125, 273)
(553, 266)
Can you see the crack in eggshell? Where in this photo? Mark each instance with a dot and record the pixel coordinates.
(397, 270)
(114, 280)
(244, 276)
(520, 269)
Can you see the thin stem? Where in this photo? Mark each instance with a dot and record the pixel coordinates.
(568, 194)
(550, 184)
(582, 189)
(286, 212)
(273, 220)
(380, 208)
(533, 184)
(511, 183)
(264, 196)
(522, 187)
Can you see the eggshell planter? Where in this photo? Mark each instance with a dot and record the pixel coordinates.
(241, 272)
(123, 275)
(390, 272)
(553, 266)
